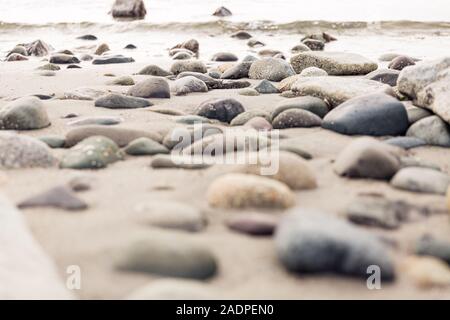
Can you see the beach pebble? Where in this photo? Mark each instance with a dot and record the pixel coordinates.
(185, 85)
(121, 136)
(24, 114)
(291, 170)
(122, 81)
(112, 59)
(432, 130)
(21, 151)
(248, 92)
(224, 56)
(311, 104)
(313, 44)
(259, 124)
(272, 69)
(426, 272)
(374, 115)
(182, 56)
(233, 84)
(255, 224)
(222, 12)
(323, 36)
(19, 50)
(53, 141)
(210, 82)
(73, 66)
(101, 49)
(171, 215)
(130, 46)
(245, 116)
(368, 158)
(47, 73)
(173, 289)
(96, 120)
(188, 65)
(175, 51)
(61, 58)
(83, 94)
(118, 101)
(387, 76)
(81, 183)
(16, 57)
(222, 109)
(176, 162)
(406, 142)
(400, 62)
(130, 9)
(415, 113)
(237, 190)
(334, 63)
(90, 37)
(154, 70)
(92, 153)
(58, 197)
(191, 119)
(168, 255)
(336, 90)
(430, 246)
(238, 71)
(286, 83)
(153, 87)
(291, 145)
(176, 136)
(254, 43)
(38, 48)
(86, 57)
(310, 241)
(191, 45)
(301, 47)
(49, 67)
(145, 146)
(265, 86)
(242, 35)
(422, 180)
(296, 118)
(313, 72)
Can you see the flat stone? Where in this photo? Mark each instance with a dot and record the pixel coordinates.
(336, 90)
(24, 114)
(90, 37)
(233, 84)
(174, 162)
(242, 35)
(121, 136)
(171, 215)
(255, 224)
(83, 94)
(122, 81)
(183, 137)
(224, 56)
(187, 85)
(210, 82)
(432, 130)
(53, 141)
(406, 142)
(59, 197)
(154, 70)
(309, 241)
(296, 118)
(118, 101)
(112, 59)
(386, 76)
(21, 151)
(368, 158)
(334, 63)
(191, 119)
(265, 86)
(311, 104)
(47, 73)
(222, 109)
(375, 115)
(272, 69)
(145, 146)
(250, 92)
(236, 190)
(154, 87)
(92, 153)
(238, 71)
(422, 180)
(96, 120)
(61, 58)
(16, 57)
(188, 65)
(168, 255)
(313, 72)
(49, 67)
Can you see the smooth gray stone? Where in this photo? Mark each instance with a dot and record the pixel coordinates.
(24, 114)
(422, 180)
(153, 87)
(118, 101)
(406, 142)
(387, 76)
(311, 104)
(112, 59)
(265, 86)
(222, 109)
(433, 130)
(296, 118)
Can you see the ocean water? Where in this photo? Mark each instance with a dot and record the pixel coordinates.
(415, 27)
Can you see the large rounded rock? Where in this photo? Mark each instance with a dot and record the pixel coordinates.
(187, 85)
(272, 69)
(432, 130)
(92, 153)
(24, 114)
(118, 101)
(368, 158)
(334, 63)
(154, 87)
(296, 118)
(314, 242)
(311, 104)
(423, 180)
(188, 65)
(374, 115)
(237, 190)
(168, 255)
(154, 70)
(20, 151)
(223, 109)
